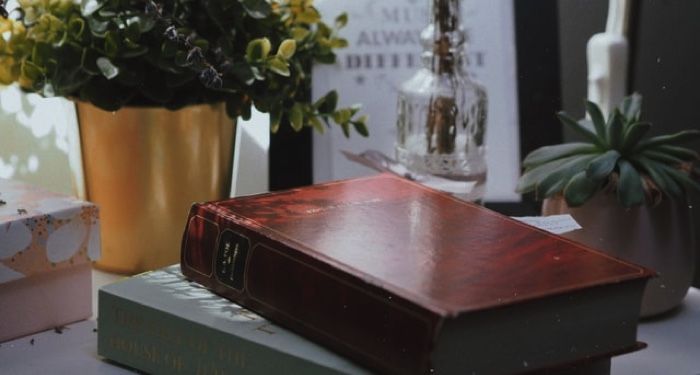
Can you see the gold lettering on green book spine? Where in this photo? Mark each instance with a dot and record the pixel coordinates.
(149, 353)
(159, 355)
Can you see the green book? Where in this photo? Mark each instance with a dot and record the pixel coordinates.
(160, 323)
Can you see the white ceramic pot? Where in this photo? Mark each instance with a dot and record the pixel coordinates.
(659, 237)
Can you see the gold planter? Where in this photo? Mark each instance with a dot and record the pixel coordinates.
(144, 167)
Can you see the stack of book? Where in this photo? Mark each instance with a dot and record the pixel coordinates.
(47, 244)
(161, 323)
(391, 275)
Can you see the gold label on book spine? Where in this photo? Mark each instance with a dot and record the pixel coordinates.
(231, 259)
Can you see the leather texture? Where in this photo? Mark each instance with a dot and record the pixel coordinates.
(389, 256)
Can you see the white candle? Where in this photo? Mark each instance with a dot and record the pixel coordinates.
(607, 55)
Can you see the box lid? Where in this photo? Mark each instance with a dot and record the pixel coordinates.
(42, 231)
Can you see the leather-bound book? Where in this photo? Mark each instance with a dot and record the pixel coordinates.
(404, 279)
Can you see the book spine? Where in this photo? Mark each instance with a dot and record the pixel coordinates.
(243, 262)
(157, 342)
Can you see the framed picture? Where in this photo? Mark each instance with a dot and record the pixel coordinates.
(513, 50)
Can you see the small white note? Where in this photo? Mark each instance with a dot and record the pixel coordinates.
(556, 224)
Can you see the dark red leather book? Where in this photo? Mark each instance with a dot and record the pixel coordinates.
(405, 279)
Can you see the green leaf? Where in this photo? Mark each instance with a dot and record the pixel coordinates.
(679, 152)
(339, 43)
(279, 66)
(97, 28)
(287, 48)
(548, 153)
(181, 59)
(76, 26)
(243, 72)
(146, 24)
(203, 44)
(325, 58)
(88, 7)
(309, 16)
(341, 20)
(634, 134)
(133, 32)
(106, 67)
(129, 77)
(630, 191)
(111, 44)
(631, 107)
(257, 73)
(258, 49)
(168, 48)
(597, 118)
(327, 103)
(662, 157)
(346, 129)
(578, 129)
(323, 31)
(316, 123)
(134, 51)
(663, 181)
(683, 179)
(30, 71)
(680, 137)
(296, 116)
(580, 189)
(556, 181)
(245, 111)
(99, 92)
(342, 116)
(601, 167)
(41, 54)
(355, 108)
(532, 176)
(616, 129)
(88, 61)
(258, 9)
(361, 126)
(551, 188)
(275, 119)
(300, 33)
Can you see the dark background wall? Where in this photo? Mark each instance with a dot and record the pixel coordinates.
(665, 51)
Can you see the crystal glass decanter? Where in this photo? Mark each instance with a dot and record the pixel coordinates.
(442, 112)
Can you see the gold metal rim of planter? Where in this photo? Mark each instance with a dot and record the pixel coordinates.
(144, 167)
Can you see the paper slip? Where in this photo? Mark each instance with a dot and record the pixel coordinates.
(556, 224)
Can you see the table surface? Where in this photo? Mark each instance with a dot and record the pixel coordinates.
(674, 346)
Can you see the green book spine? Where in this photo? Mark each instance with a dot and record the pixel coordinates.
(151, 332)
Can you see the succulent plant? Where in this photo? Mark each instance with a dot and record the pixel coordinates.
(116, 53)
(617, 155)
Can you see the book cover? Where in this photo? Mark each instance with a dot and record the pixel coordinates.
(405, 279)
(160, 323)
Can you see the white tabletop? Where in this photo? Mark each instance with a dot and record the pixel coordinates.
(674, 347)
(674, 343)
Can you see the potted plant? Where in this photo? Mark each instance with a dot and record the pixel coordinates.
(627, 190)
(158, 86)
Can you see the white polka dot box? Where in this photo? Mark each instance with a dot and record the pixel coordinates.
(47, 244)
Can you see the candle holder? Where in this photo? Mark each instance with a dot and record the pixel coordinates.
(442, 112)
